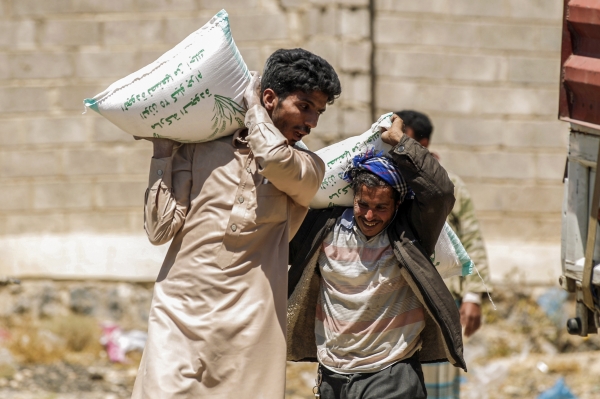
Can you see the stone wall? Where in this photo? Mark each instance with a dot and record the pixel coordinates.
(73, 185)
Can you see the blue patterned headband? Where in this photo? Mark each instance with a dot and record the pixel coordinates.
(381, 167)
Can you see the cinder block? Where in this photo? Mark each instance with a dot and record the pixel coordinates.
(356, 57)
(355, 24)
(356, 89)
(322, 3)
(408, 64)
(133, 32)
(55, 130)
(17, 34)
(70, 98)
(476, 8)
(93, 162)
(11, 132)
(517, 198)
(496, 165)
(105, 65)
(536, 9)
(35, 7)
(256, 27)
(228, 4)
(16, 197)
(30, 163)
(70, 33)
(64, 195)
(4, 66)
(120, 194)
(355, 121)
(167, 5)
(534, 70)
(477, 132)
(33, 223)
(293, 4)
(526, 227)
(393, 30)
(321, 21)
(105, 131)
(528, 101)
(421, 6)
(392, 95)
(136, 158)
(550, 37)
(538, 134)
(518, 37)
(551, 166)
(466, 131)
(455, 34)
(40, 65)
(100, 221)
(353, 3)
(23, 99)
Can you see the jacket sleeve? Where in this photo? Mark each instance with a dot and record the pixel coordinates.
(434, 192)
(296, 172)
(168, 195)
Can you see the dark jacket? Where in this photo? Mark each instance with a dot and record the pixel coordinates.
(413, 234)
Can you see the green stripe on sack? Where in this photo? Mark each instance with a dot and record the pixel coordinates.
(91, 103)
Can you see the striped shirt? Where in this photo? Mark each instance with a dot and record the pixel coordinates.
(368, 317)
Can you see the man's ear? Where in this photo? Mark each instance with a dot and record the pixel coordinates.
(270, 100)
(424, 142)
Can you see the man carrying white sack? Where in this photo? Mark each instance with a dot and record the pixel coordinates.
(217, 321)
(365, 301)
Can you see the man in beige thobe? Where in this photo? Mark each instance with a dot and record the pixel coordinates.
(218, 316)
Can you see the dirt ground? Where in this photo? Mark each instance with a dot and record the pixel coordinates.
(521, 351)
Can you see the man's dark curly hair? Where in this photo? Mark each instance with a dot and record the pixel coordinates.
(287, 71)
(418, 122)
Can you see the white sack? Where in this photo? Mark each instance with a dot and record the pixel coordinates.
(192, 93)
(335, 190)
(450, 257)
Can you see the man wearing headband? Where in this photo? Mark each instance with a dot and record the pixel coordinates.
(364, 299)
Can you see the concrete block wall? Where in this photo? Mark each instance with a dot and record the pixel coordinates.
(487, 73)
(73, 184)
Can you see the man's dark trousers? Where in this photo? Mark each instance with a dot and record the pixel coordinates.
(402, 380)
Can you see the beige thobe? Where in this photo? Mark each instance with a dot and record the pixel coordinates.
(218, 316)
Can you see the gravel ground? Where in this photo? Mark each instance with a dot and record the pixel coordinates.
(520, 351)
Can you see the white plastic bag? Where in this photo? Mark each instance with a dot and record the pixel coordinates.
(450, 257)
(334, 190)
(192, 93)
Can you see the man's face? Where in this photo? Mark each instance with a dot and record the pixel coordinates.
(374, 208)
(295, 115)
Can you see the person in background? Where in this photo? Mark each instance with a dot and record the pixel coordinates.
(216, 327)
(442, 379)
(365, 301)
